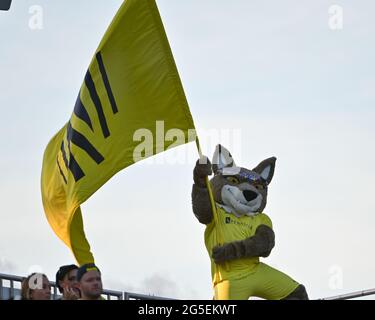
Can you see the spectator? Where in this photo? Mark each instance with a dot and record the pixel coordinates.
(66, 282)
(90, 282)
(36, 287)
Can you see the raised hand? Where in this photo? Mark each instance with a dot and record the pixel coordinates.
(203, 169)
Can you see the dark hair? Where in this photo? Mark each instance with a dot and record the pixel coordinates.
(62, 272)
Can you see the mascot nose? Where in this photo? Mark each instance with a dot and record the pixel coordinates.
(249, 195)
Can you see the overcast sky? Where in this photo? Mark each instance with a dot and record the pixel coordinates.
(265, 78)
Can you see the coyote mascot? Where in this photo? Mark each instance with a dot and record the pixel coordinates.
(240, 195)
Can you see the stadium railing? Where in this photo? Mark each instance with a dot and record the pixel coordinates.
(13, 290)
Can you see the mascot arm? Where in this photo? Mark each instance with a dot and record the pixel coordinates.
(200, 197)
(201, 204)
(259, 245)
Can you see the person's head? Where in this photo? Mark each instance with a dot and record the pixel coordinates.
(36, 287)
(89, 282)
(66, 278)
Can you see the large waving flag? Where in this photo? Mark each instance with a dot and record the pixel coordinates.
(132, 83)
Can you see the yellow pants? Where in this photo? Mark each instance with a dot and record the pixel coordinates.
(266, 282)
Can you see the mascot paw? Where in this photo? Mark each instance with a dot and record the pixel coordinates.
(220, 254)
(203, 169)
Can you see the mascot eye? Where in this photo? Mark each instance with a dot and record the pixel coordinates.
(233, 180)
(259, 187)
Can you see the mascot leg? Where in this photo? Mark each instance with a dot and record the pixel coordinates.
(272, 284)
(232, 290)
(298, 294)
(264, 282)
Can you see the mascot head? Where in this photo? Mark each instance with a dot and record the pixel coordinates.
(239, 190)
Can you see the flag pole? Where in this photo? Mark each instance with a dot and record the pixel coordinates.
(219, 232)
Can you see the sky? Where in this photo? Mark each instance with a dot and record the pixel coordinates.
(265, 78)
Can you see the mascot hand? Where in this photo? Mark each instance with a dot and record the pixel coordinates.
(220, 254)
(203, 169)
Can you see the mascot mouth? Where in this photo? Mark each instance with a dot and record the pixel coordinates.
(237, 200)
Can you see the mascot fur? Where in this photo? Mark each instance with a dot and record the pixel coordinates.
(241, 196)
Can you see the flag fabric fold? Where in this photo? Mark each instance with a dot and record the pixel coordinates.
(131, 84)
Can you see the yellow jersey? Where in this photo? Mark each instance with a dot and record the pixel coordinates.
(233, 229)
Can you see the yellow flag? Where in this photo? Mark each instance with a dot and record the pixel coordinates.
(131, 92)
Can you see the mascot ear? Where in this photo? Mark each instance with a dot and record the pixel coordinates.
(5, 5)
(222, 159)
(266, 169)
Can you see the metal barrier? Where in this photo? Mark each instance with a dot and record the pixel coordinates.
(352, 295)
(136, 296)
(13, 291)
(10, 291)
